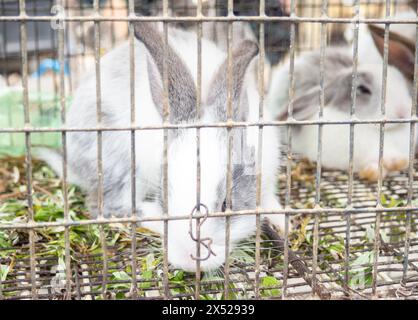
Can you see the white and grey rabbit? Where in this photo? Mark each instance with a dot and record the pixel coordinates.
(338, 67)
(182, 148)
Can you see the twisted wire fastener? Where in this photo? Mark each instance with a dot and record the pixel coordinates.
(206, 242)
(404, 290)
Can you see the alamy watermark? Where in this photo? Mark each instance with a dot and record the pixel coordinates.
(57, 23)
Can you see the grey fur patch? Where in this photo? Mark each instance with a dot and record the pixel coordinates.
(338, 66)
(243, 174)
(243, 190)
(155, 83)
(342, 97)
(181, 87)
(242, 55)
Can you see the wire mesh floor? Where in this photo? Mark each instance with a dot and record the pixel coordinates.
(88, 281)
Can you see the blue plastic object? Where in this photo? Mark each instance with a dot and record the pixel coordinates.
(50, 65)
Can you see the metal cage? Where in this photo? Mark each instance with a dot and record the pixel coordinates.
(359, 239)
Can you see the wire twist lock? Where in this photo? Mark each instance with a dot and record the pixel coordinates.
(206, 242)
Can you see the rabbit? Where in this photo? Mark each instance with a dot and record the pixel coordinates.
(338, 66)
(181, 154)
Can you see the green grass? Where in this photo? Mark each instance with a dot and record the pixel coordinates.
(86, 240)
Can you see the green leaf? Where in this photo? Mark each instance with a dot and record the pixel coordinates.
(121, 275)
(4, 271)
(4, 240)
(178, 276)
(271, 283)
(146, 275)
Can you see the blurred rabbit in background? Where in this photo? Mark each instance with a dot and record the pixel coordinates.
(338, 67)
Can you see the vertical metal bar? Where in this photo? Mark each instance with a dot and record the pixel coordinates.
(411, 163)
(230, 143)
(81, 25)
(61, 37)
(198, 164)
(69, 56)
(289, 155)
(3, 55)
(323, 43)
(28, 156)
(165, 155)
(259, 163)
(351, 146)
(96, 7)
(38, 79)
(112, 23)
(379, 205)
(131, 12)
(54, 79)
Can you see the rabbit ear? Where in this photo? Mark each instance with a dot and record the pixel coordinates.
(242, 55)
(181, 87)
(401, 50)
(304, 105)
(306, 101)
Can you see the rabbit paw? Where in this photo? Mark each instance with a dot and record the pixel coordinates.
(395, 164)
(279, 220)
(371, 172)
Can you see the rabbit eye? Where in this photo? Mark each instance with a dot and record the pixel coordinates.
(224, 206)
(364, 90)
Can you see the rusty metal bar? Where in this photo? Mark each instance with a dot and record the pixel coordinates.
(62, 91)
(229, 181)
(166, 106)
(199, 33)
(232, 124)
(100, 204)
(289, 155)
(28, 156)
(132, 69)
(259, 162)
(381, 148)
(323, 31)
(414, 102)
(351, 148)
(289, 211)
(295, 19)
